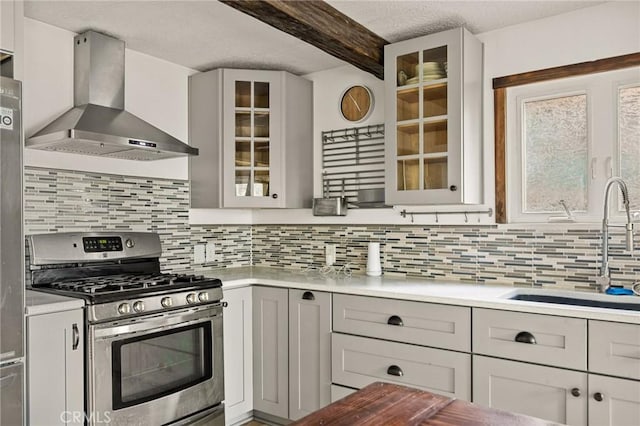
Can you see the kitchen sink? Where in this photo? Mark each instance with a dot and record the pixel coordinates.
(630, 303)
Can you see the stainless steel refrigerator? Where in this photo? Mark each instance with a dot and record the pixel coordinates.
(11, 256)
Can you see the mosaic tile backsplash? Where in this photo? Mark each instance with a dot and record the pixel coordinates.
(57, 200)
(563, 258)
(60, 201)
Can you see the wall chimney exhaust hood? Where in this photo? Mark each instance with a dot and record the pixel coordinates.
(98, 124)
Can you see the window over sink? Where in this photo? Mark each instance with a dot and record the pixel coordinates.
(565, 138)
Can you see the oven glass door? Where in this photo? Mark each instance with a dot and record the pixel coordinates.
(153, 365)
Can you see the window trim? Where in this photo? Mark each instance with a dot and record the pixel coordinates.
(618, 172)
(500, 85)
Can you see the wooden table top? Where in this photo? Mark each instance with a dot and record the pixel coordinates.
(386, 404)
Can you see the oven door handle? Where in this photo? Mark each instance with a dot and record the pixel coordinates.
(162, 322)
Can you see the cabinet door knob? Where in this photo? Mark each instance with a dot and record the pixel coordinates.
(395, 320)
(274, 196)
(525, 337)
(598, 396)
(308, 296)
(453, 188)
(394, 370)
(76, 336)
(575, 392)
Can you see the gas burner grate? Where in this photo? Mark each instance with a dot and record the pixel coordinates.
(125, 282)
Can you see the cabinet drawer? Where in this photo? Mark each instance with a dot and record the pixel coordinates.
(614, 349)
(428, 324)
(553, 340)
(359, 361)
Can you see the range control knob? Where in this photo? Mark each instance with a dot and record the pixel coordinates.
(129, 243)
(191, 298)
(166, 302)
(138, 306)
(203, 297)
(124, 308)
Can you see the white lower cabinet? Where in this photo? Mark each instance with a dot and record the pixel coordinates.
(613, 402)
(238, 355)
(271, 351)
(289, 352)
(360, 361)
(540, 339)
(545, 392)
(562, 396)
(339, 392)
(309, 352)
(614, 349)
(55, 368)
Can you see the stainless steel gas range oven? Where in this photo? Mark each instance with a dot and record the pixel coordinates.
(154, 340)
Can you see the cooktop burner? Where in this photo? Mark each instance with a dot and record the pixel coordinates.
(126, 282)
(110, 288)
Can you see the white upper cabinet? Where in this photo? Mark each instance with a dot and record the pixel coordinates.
(7, 37)
(254, 132)
(433, 91)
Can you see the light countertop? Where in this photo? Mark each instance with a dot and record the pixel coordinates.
(422, 290)
(39, 303)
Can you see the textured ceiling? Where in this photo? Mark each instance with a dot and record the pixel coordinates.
(207, 34)
(396, 20)
(197, 34)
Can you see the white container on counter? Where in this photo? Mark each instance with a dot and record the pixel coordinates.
(373, 260)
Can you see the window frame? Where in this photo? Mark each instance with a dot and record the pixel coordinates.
(618, 150)
(500, 85)
(517, 155)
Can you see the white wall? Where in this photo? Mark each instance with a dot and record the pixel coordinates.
(328, 87)
(155, 90)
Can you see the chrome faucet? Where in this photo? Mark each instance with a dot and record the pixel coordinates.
(604, 279)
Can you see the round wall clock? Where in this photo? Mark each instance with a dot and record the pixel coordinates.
(356, 103)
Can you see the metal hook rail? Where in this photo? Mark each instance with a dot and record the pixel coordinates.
(352, 159)
(404, 213)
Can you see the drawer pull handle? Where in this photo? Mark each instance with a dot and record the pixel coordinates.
(598, 396)
(308, 296)
(76, 336)
(395, 320)
(575, 392)
(525, 337)
(394, 370)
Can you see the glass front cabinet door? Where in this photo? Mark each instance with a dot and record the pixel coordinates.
(433, 88)
(252, 137)
(254, 130)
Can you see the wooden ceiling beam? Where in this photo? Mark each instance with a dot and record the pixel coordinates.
(321, 25)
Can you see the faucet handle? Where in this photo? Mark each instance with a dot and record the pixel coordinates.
(629, 232)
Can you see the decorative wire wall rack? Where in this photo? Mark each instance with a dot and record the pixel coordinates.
(353, 160)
